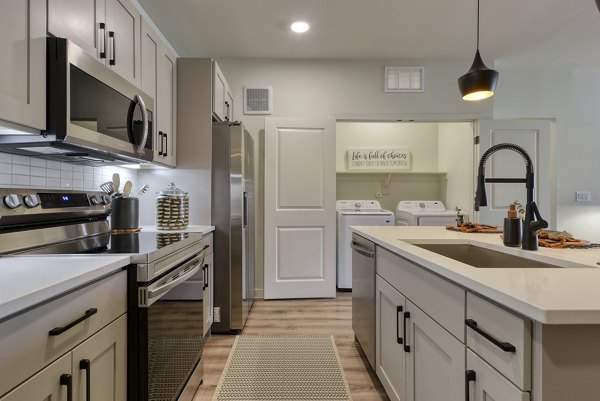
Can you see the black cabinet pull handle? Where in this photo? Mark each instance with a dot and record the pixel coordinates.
(166, 144)
(398, 338)
(59, 330)
(227, 115)
(504, 346)
(205, 272)
(67, 380)
(86, 365)
(113, 60)
(470, 376)
(404, 319)
(160, 138)
(103, 40)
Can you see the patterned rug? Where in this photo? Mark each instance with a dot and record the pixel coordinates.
(283, 367)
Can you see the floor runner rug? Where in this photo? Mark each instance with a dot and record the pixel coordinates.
(282, 368)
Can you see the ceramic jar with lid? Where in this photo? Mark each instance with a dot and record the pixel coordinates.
(172, 208)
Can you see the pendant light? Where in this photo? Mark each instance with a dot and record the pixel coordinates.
(480, 81)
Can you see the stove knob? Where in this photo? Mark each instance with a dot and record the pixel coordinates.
(95, 199)
(357, 205)
(31, 201)
(106, 199)
(12, 201)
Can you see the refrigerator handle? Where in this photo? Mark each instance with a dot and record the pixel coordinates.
(245, 210)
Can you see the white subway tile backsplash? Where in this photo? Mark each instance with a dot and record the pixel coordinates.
(35, 162)
(21, 170)
(52, 165)
(5, 179)
(53, 183)
(38, 182)
(38, 172)
(20, 180)
(52, 173)
(29, 172)
(5, 168)
(24, 160)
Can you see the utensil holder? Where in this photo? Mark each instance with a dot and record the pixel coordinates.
(125, 214)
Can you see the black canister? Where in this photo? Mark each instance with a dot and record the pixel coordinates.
(125, 214)
(513, 228)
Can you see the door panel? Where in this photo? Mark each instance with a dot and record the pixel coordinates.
(124, 20)
(489, 385)
(301, 168)
(537, 137)
(436, 361)
(299, 208)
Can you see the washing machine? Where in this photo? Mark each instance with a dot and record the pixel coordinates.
(424, 213)
(355, 213)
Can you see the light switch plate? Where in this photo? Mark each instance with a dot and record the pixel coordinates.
(583, 196)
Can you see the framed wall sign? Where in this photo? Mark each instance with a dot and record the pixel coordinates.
(378, 159)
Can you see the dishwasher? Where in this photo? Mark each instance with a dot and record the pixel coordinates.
(363, 295)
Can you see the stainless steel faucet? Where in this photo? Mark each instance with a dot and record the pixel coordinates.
(529, 240)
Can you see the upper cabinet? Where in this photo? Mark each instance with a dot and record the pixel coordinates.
(107, 29)
(23, 62)
(222, 96)
(159, 81)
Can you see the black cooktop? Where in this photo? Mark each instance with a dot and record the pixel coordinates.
(148, 246)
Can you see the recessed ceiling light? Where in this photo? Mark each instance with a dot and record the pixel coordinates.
(300, 27)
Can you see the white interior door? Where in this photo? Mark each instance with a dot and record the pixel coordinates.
(299, 210)
(537, 137)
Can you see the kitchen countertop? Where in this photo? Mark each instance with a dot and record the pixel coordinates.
(31, 280)
(191, 229)
(569, 295)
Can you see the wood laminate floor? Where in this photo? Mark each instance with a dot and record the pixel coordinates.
(315, 316)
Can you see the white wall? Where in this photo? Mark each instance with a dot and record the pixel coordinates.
(455, 156)
(573, 99)
(420, 138)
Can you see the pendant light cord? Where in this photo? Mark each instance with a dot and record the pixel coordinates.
(477, 25)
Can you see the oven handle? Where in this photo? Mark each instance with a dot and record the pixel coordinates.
(189, 269)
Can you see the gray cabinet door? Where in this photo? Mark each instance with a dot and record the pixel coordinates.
(44, 385)
(166, 106)
(23, 62)
(390, 358)
(80, 21)
(123, 42)
(488, 384)
(435, 361)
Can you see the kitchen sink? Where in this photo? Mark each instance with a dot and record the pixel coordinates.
(484, 258)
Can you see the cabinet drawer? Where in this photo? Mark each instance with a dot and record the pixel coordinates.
(25, 343)
(488, 384)
(439, 298)
(497, 325)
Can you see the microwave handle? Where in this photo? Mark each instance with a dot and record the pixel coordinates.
(137, 100)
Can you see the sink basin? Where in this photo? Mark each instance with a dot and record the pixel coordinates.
(482, 257)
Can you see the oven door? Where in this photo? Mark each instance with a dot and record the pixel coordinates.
(170, 336)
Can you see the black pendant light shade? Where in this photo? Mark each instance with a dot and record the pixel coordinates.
(480, 81)
(598, 4)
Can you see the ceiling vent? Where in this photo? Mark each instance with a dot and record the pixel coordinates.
(258, 100)
(404, 79)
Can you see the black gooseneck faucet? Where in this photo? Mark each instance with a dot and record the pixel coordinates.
(530, 225)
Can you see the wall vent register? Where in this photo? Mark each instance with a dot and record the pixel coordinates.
(258, 100)
(404, 79)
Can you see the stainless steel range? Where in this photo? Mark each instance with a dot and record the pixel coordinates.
(165, 331)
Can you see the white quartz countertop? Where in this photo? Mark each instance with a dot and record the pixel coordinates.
(569, 295)
(26, 281)
(191, 229)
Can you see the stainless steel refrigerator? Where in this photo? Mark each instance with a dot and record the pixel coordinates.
(233, 218)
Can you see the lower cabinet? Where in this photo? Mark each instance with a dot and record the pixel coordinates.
(71, 348)
(485, 383)
(208, 292)
(52, 383)
(416, 358)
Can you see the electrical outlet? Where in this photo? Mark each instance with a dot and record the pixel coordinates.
(583, 196)
(217, 314)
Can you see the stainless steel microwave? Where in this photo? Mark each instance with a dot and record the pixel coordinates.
(94, 116)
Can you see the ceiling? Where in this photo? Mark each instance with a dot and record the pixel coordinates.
(546, 33)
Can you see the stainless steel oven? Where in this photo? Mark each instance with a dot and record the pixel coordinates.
(165, 281)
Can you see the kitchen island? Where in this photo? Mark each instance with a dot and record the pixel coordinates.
(509, 333)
